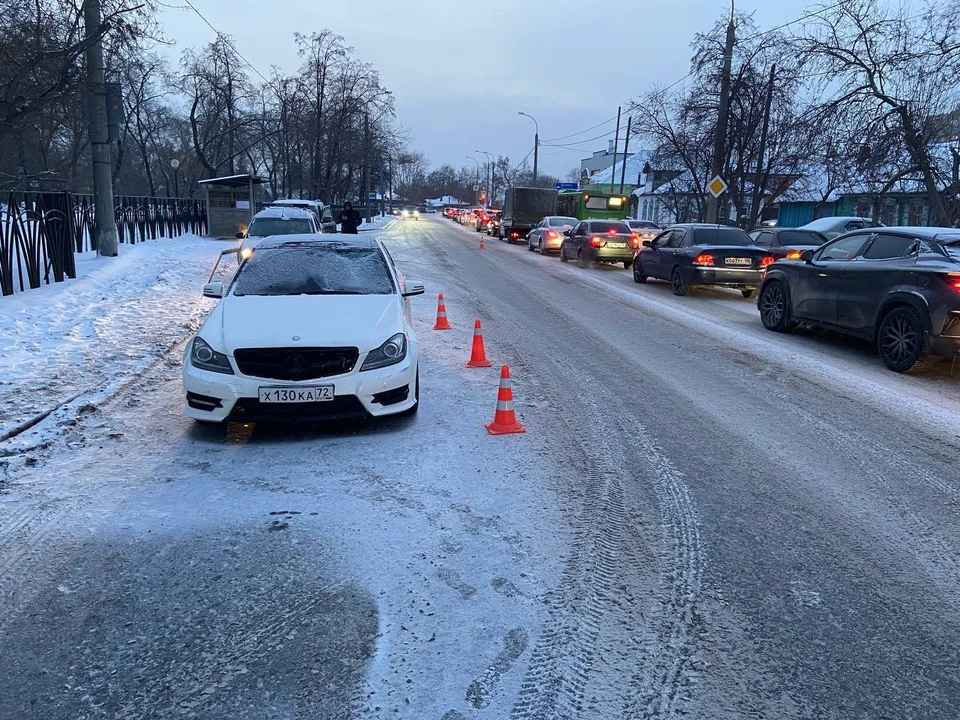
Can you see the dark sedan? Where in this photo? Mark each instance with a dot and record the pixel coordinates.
(897, 287)
(599, 241)
(700, 254)
(787, 242)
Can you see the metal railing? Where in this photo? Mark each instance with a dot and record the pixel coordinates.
(41, 232)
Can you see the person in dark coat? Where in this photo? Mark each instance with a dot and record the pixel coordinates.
(349, 219)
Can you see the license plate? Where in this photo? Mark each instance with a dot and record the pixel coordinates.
(281, 395)
(616, 245)
(738, 261)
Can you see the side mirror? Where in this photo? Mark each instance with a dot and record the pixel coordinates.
(213, 289)
(413, 287)
(807, 256)
(648, 243)
(567, 232)
(240, 236)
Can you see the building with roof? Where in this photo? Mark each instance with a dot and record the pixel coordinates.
(599, 160)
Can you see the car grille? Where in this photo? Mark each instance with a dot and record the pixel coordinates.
(342, 407)
(296, 363)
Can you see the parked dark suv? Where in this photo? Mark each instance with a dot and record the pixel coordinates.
(898, 287)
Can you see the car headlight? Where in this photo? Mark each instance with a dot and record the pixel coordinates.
(391, 352)
(204, 357)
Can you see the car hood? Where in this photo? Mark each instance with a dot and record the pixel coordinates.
(362, 321)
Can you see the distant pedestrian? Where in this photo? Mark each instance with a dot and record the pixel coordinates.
(349, 219)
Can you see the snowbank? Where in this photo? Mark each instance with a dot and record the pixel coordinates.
(74, 338)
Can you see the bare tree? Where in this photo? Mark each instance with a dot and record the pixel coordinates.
(898, 74)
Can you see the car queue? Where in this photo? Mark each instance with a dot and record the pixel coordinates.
(896, 287)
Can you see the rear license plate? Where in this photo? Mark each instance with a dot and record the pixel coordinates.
(282, 395)
(617, 246)
(738, 261)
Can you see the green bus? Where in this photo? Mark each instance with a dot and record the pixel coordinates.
(584, 204)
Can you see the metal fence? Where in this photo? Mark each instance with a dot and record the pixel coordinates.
(40, 233)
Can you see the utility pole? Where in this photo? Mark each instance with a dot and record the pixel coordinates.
(626, 145)
(476, 193)
(723, 111)
(104, 224)
(366, 161)
(536, 144)
(490, 176)
(759, 180)
(616, 143)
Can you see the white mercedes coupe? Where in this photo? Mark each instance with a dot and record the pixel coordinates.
(310, 328)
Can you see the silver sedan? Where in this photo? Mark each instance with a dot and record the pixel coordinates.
(547, 234)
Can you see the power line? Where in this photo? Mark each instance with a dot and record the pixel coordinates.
(226, 39)
(581, 132)
(579, 142)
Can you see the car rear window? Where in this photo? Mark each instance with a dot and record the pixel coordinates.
(605, 227)
(562, 221)
(721, 236)
(801, 237)
(314, 271)
(263, 227)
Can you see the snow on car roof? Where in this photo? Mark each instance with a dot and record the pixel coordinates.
(358, 242)
(284, 213)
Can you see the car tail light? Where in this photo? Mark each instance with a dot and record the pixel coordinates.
(553, 234)
(611, 231)
(597, 242)
(793, 255)
(514, 234)
(768, 260)
(952, 279)
(635, 239)
(703, 259)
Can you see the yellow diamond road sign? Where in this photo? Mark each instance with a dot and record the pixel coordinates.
(717, 186)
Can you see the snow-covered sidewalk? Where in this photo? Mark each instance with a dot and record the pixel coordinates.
(80, 338)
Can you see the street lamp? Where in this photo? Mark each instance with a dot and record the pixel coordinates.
(489, 175)
(175, 164)
(536, 144)
(476, 192)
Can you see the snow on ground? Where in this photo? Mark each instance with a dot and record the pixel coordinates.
(82, 336)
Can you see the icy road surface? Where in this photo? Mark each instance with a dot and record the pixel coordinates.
(704, 520)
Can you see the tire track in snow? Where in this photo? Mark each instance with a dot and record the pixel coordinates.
(587, 599)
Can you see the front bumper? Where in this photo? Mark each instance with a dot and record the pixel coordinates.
(729, 277)
(216, 397)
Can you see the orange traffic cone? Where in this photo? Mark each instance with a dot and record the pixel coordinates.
(481, 243)
(504, 420)
(442, 322)
(478, 358)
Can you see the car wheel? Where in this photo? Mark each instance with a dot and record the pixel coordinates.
(540, 247)
(639, 276)
(677, 283)
(529, 246)
(627, 264)
(416, 394)
(748, 292)
(581, 261)
(775, 308)
(900, 340)
(563, 253)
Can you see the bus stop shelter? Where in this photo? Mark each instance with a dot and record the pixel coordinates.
(231, 203)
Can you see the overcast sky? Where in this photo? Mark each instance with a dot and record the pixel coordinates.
(460, 71)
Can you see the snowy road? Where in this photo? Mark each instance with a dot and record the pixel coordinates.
(704, 520)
